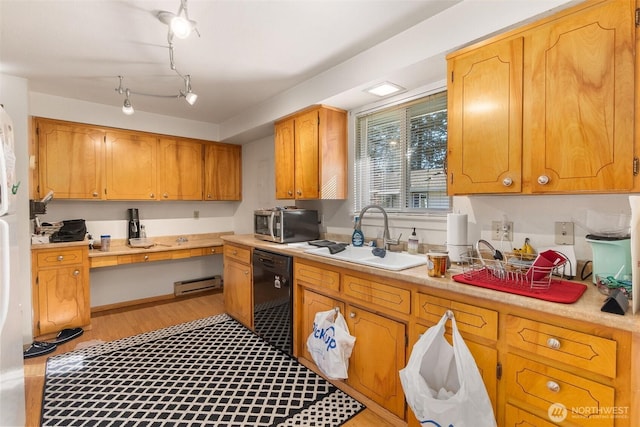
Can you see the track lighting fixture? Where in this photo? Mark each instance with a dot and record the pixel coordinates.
(179, 23)
(126, 107)
(179, 26)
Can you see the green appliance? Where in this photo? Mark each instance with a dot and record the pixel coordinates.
(611, 256)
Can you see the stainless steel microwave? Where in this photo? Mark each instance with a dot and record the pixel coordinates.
(282, 225)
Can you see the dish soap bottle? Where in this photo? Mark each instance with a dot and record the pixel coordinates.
(357, 238)
(412, 243)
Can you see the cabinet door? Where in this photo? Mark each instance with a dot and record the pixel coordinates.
(580, 109)
(63, 299)
(486, 359)
(180, 169)
(485, 119)
(223, 172)
(71, 160)
(378, 355)
(312, 303)
(306, 156)
(131, 164)
(238, 298)
(285, 159)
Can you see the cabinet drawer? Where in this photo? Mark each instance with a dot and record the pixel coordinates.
(516, 417)
(470, 319)
(55, 258)
(316, 277)
(147, 257)
(238, 253)
(378, 293)
(211, 250)
(586, 401)
(103, 261)
(584, 351)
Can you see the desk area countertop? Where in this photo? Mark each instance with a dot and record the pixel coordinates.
(164, 248)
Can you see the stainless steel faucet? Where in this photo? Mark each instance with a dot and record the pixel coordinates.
(388, 241)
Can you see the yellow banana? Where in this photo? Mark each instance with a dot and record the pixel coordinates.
(527, 248)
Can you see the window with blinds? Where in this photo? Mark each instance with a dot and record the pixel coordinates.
(400, 157)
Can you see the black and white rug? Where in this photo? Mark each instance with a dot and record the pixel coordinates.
(209, 372)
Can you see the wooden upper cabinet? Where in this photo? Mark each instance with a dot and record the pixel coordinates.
(311, 154)
(222, 172)
(132, 164)
(285, 159)
(580, 127)
(547, 108)
(70, 160)
(180, 169)
(485, 119)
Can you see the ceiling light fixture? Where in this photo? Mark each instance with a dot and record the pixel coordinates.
(179, 26)
(179, 23)
(384, 89)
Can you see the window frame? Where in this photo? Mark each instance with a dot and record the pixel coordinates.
(404, 103)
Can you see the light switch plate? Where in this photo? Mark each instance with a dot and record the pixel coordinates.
(564, 233)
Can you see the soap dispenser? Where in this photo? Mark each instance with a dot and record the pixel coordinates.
(357, 238)
(413, 242)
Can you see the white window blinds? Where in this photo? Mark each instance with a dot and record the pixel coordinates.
(400, 157)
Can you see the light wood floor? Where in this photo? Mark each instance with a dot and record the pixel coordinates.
(122, 323)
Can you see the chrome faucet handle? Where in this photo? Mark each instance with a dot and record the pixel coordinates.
(389, 241)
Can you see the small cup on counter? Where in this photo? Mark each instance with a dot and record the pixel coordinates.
(105, 242)
(437, 264)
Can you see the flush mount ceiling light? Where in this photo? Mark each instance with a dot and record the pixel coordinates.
(179, 26)
(384, 89)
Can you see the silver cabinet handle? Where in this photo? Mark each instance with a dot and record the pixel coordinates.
(146, 257)
(543, 180)
(553, 386)
(553, 343)
(290, 193)
(76, 272)
(246, 272)
(208, 196)
(352, 315)
(507, 182)
(152, 196)
(95, 194)
(165, 195)
(60, 257)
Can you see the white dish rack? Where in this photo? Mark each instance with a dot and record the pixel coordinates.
(513, 272)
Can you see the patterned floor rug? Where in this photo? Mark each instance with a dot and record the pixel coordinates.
(210, 372)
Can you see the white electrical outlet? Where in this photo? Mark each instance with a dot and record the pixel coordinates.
(564, 233)
(196, 214)
(502, 230)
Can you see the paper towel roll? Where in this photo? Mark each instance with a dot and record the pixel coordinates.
(634, 201)
(456, 229)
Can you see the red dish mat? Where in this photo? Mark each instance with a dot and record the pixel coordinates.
(561, 291)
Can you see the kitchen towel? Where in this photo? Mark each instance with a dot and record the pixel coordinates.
(634, 201)
(456, 229)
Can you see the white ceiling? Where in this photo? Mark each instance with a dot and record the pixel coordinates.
(250, 52)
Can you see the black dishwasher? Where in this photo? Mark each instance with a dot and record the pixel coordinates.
(272, 298)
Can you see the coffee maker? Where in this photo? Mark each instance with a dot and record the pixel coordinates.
(134, 224)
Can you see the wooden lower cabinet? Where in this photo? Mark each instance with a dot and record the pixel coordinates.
(377, 357)
(529, 360)
(60, 289)
(237, 289)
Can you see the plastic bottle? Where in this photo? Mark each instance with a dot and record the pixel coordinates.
(413, 242)
(357, 238)
(143, 231)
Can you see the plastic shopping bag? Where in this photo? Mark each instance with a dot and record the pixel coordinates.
(442, 383)
(330, 344)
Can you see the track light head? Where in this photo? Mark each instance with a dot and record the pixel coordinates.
(191, 98)
(179, 23)
(127, 108)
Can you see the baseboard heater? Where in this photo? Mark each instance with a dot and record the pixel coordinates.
(187, 287)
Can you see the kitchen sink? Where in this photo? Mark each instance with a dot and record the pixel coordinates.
(364, 255)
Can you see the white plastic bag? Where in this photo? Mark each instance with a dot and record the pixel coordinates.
(330, 344)
(442, 383)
